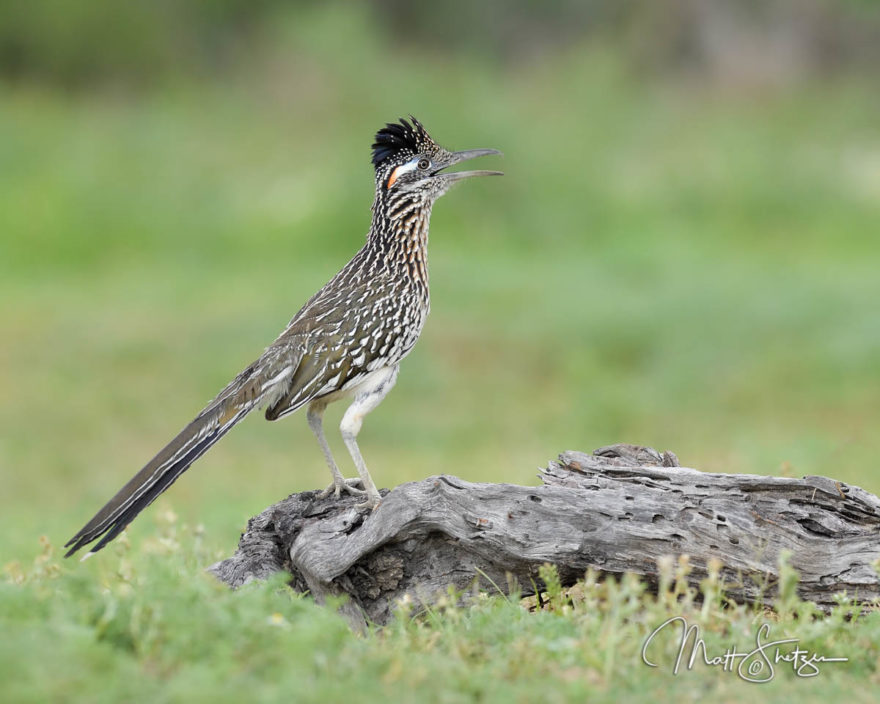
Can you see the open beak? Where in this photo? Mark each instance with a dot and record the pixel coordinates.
(467, 155)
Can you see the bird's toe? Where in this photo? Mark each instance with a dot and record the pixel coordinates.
(372, 502)
(348, 486)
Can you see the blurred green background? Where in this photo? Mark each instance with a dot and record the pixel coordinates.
(683, 252)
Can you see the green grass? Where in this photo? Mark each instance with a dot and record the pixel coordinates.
(148, 625)
(664, 263)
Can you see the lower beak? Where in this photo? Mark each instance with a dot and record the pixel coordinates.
(467, 155)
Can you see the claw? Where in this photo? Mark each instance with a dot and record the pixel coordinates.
(349, 486)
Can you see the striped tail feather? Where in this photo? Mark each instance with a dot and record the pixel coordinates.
(244, 394)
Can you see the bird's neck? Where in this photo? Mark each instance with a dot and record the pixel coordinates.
(400, 232)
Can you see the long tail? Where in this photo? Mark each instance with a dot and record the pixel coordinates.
(241, 396)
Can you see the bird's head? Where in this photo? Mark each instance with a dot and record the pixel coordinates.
(409, 163)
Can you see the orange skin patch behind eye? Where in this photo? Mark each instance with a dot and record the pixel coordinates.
(393, 177)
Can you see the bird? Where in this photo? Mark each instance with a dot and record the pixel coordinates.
(345, 343)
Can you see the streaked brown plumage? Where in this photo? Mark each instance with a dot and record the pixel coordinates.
(346, 342)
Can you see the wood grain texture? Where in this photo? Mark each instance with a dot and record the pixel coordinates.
(617, 510)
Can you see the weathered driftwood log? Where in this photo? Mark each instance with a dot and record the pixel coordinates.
(617, 510)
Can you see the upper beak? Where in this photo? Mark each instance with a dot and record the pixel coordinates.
(466, 155)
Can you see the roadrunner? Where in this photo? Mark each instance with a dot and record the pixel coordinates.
(345, 343)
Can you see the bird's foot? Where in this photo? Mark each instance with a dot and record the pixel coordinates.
(349, 486)
(372, 502)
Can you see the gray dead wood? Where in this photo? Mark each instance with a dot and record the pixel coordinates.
(617, 510)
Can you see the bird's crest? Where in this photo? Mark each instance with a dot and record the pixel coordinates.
(401, 139)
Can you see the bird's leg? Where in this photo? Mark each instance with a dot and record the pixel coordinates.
(368, 397)
(315, 416)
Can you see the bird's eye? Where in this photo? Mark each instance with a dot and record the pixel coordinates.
(424, 164)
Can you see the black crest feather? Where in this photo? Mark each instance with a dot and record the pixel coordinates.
(399, 138)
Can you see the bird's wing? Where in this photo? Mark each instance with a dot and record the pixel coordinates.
(325, 367)
(332, 328)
